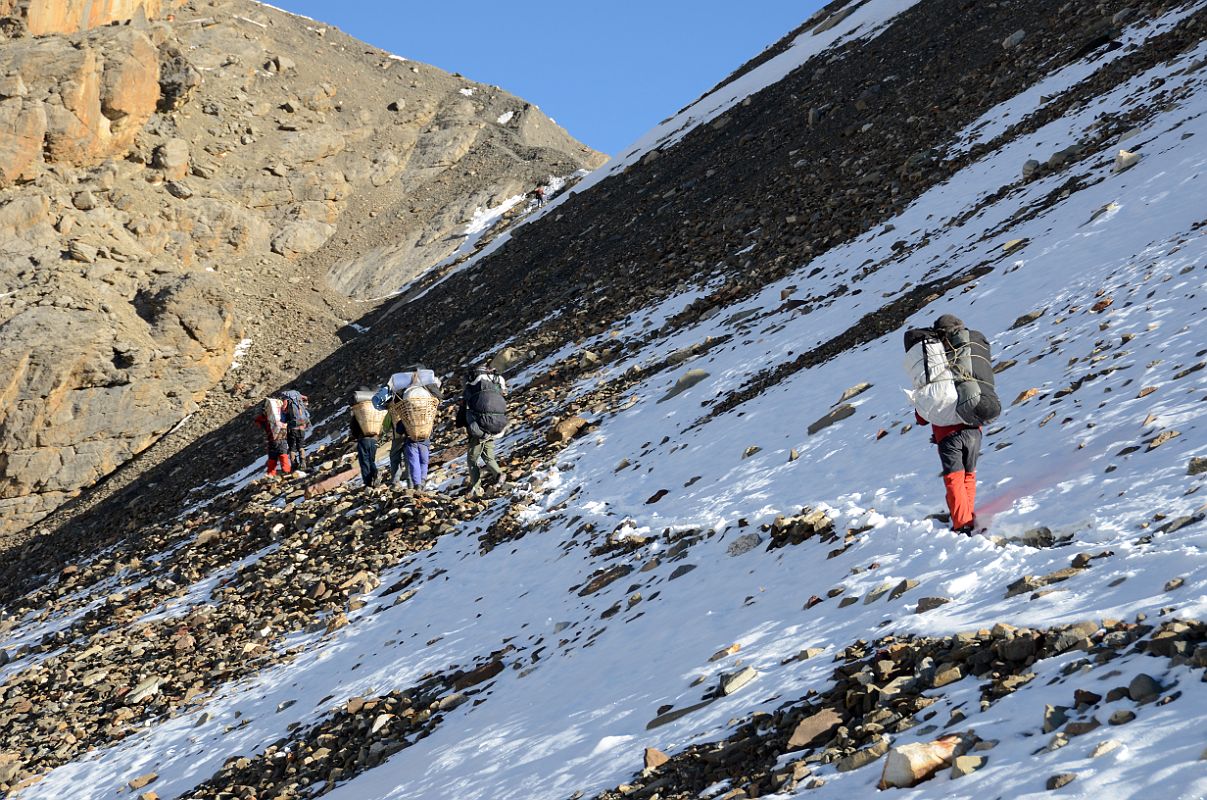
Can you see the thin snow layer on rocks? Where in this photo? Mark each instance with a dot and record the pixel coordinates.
(1118, 269)
(1038, 94)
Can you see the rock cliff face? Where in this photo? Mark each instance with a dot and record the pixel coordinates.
(41, 17)
(175, 182)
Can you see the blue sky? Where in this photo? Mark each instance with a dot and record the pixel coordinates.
(607, 72)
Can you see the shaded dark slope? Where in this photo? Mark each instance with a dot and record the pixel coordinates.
(791, 172)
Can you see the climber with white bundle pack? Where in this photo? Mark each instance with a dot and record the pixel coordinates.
(952, 375)
(270, 421)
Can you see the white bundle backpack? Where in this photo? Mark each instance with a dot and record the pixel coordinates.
(934, 394)
(272, 413)
(952, 376)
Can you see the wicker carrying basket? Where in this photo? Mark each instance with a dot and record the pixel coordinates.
(418, 415)
(368, 418)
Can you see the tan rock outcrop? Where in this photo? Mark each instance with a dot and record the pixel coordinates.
(43, 17)
(76, 103)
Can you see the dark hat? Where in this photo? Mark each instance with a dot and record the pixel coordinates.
(949, 322)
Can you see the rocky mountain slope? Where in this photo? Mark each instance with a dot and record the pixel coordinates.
(718, 572)
(171, 188)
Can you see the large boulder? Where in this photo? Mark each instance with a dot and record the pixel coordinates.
(302, 237)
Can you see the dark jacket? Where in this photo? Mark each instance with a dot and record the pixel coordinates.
(483, 410)
(355, 429)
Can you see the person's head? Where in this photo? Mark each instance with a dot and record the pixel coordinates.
(949, 322)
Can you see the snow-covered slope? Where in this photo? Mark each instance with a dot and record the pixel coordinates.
(548, 637)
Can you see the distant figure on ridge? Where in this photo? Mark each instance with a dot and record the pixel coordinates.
(412, 398)
(954, 392)
(365, 425)
(483, 414)
(275, 435)
(540, 195)
(295, 414)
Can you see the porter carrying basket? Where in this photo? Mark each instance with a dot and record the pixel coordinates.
(368, 418)
(417, 413)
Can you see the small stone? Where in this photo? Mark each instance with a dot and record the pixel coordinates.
(1161, 438)
(1024, 396)
(1104, 747)
(1174, 583)
(1062, 779)
(1054, 717)
(84, 201)
(854, 391)
(814, 729)
(966, 765)
(565, 430)
(732, 683)
(1082, 728)
(1084, 697)
(1030, 167)
(931, 603)
(1143, 688)
(902, 588)
(1028, 318)
(685, 382)
(1122, 717)
(837, 415)
(655, 758)
(1197, 465)
(948, 673)
(744, 544)
(82, 251)
(143, 780)
(1014, 40)
(1126, 160)
(861, 758)
(179, 190)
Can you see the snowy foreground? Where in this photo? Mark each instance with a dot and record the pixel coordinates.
(1098, 454)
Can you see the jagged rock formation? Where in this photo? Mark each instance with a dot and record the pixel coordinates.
(168, 188)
